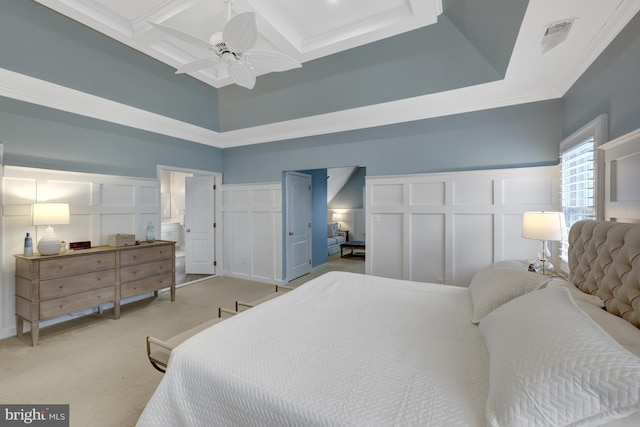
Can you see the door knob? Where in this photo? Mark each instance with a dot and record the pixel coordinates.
(188, 230)
(291, 233)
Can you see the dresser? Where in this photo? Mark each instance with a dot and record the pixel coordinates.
(57, 285)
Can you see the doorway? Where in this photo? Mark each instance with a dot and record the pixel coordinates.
(196, 257)
(346, 197)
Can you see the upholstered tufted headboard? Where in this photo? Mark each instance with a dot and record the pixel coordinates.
(604, 260)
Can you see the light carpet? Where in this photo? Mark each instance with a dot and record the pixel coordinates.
(99, 365)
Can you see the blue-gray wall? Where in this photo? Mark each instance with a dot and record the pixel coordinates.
(40, 137)
(522, 135)
(470, 44)
(319, 251)
(430, 59)
(611, 85)
(41, 43)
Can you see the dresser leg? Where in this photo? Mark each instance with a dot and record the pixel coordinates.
(35, 333)
(19, 326)
(116, 310)
(173, 293)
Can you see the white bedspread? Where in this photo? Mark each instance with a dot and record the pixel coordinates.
(342, 350)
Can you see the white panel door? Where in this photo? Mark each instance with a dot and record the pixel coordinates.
(199, 217)
(298, 190)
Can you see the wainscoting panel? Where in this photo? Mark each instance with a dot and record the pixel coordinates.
(622, 178)
(252, 231)
(389, 228)
(444, 227)
(99, 205)
(426, 254)
(472, 245)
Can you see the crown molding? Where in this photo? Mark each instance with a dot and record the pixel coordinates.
(35, 91)
(492, 95)
(483, 97)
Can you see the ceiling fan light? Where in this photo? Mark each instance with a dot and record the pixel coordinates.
(228, 57)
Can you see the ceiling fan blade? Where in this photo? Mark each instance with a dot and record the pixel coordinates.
(241, 32)
(270, 60)
(242, 74)
(198, 65)
(181, 35)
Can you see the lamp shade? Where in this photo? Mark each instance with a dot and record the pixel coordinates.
(50, 213)
(336, 217)
(543, 226)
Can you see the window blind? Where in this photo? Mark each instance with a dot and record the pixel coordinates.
(578, 185)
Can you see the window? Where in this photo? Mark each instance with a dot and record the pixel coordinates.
(577, 180)
(580, 175)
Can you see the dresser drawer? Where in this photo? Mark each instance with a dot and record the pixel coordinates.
(145, 254)
(140, 271)
(147, 284)
(72, 303)
(69, 265)
(62, 286)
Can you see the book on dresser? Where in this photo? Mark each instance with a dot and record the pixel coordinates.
(52, 286)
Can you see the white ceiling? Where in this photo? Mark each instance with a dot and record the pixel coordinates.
(304, 30)
(314, 28)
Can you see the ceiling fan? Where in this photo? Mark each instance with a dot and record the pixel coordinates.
(234, 47)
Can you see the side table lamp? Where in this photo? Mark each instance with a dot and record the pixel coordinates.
(544, 226)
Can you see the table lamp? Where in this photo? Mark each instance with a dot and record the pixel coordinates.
(50, 214)
(544, 226)
(337, 217)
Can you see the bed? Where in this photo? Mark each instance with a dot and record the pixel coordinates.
(515, 348)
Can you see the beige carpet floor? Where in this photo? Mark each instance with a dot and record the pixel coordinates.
(99, 366)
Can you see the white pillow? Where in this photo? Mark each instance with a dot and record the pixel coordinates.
(551, 365)
(500, 283)
(621, 330)
(332, 229)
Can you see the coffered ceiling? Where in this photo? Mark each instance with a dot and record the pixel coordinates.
(304, 30)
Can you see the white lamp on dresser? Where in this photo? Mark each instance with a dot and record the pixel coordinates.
(50, 214)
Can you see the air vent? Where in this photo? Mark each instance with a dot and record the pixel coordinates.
(555, 33)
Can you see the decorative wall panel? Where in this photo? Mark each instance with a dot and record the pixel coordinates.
(444, 227)
(252, 231)
(388, 228)
(426, 254)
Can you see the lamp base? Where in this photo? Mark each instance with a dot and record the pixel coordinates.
(544, 267)
(49, 244)
(49, 247)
